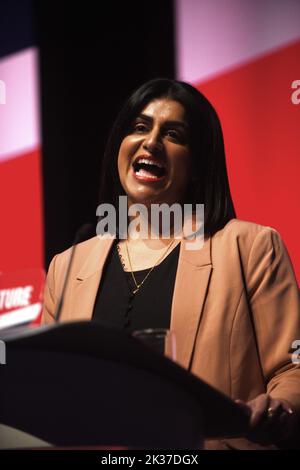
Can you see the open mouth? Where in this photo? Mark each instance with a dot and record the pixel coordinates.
(149, 169)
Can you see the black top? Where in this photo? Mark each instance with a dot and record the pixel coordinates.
(116, 305)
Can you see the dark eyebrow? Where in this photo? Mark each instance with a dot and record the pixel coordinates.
(167, 123)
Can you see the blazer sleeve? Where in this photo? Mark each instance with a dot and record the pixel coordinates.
(49, 306)
(275, 305)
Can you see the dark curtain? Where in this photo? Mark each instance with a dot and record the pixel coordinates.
(92, 56)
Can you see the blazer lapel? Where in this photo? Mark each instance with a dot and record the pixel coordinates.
(86, 282)
(191, 284)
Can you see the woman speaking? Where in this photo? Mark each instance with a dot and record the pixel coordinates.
(233, 303)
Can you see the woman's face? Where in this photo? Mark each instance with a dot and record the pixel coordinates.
(154, 160)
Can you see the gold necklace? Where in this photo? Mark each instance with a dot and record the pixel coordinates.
(138, 286)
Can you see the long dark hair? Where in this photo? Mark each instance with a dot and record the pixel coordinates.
(209, 182)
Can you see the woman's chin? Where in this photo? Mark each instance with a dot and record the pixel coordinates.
(145, 198)
(145, 194)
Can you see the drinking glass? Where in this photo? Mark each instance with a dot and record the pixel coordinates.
(161, 340)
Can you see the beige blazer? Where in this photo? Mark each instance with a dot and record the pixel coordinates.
(235, 309)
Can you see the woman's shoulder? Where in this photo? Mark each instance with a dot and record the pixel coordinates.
(246, 234)
(81, 247)
(245, 228)
(91, 248)
(253, 246)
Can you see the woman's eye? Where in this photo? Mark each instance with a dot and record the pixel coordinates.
(173, 134)
(140, 127)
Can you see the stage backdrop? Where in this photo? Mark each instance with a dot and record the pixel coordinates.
(244, 56)
(21, 241)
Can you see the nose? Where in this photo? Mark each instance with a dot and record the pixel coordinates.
(152, 142)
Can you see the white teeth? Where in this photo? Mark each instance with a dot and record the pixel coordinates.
(149, 162)
(145, 173)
